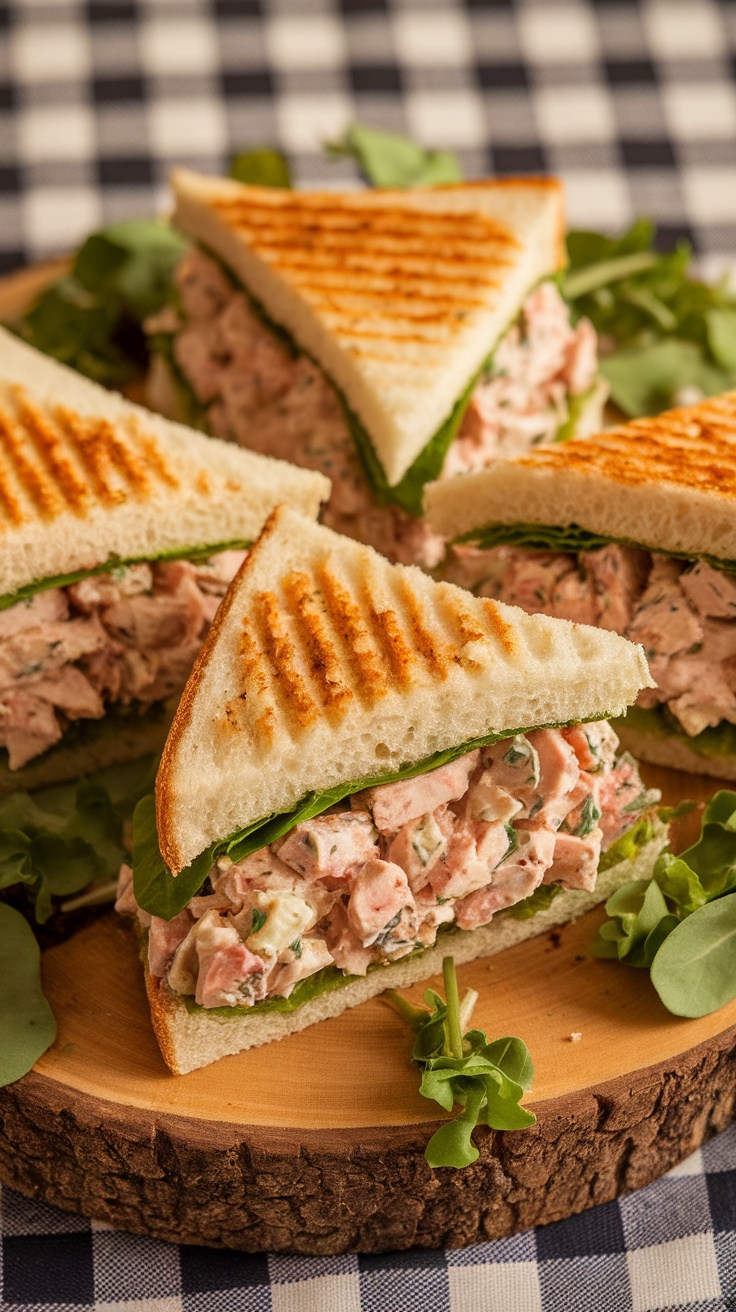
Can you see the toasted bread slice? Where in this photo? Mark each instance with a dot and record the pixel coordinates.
(667, 484)
(326, 664)
(87, 477)
(192, 1038)
(399, 295)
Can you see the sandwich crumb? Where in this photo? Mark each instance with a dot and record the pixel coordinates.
(575, 1037)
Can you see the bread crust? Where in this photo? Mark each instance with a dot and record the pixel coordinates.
(674, 753)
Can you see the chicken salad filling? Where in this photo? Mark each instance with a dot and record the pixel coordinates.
(376, 877)
(682, 612)
(251, 387)
(125, 638)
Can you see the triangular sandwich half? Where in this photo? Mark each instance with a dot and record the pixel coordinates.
(634, 530)
(368, 769)
(119, 532)
(380, 336)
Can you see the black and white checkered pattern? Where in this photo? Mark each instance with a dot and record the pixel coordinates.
(633, 103)
(670, 1248)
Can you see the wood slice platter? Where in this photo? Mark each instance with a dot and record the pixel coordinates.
(316, 1144)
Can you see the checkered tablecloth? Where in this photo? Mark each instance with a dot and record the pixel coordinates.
(633, 103)
(670, 1247)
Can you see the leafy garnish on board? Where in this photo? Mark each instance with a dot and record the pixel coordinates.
(387, 159)
(681, 923)
(91, 318)
(487, 1080)
(27, 1025)
(261, 168)
(664, 334)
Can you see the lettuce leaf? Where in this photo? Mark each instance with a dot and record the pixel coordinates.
(388, 159)
(717, 741)
(568, 538)
(120, 563)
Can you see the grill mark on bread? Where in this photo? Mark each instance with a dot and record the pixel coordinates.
(33, 481)
(322, 655)
(694, 449)
(385, 624)
(465, 623)
(408, 272)
(436, 653)
(499, 627)
(348, 619)
(92, 454)
(45, 437)
(322, 215)
(279, 650)
(155, 457)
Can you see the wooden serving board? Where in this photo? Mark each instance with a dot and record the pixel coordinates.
(316, 1143)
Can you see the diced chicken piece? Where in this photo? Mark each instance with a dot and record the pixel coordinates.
(313, 955)
(575, 863)
(573, 598)
(486, 801)
(31, 653)
(595, 745)
(621, 798)
(215, 575)
(394, 805)
(48, 607)
(202, 285)
(259, 871)
(475, 850)
(164, 938)
(28, 727)
(618, 575)
(559, 774)
(347, 950)
(379, 894)
(199, 906)
(706, 703)
(533, 578)
(431, 913)
(229, 975)
(329, 847)
(581, 358)
(68, 689)
(664, 622)
(711, 591)
(513, 764)
(284, 916)
(91, 594)
(516, 878)
(125, 903)
(420, 845)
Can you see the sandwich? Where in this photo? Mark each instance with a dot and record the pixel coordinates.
(368, 769)
(633, 530)
(383, 337)
(120, 533)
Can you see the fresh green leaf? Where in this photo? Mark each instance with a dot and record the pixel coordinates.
(647, 379)
(261, 168)
(642, 917)
(721, 326)
(693, 971)
(717, 741)
(91, 319)
(390, 160)
(487, 1080)
(539, 900)
(27, 1025)
(679, 883)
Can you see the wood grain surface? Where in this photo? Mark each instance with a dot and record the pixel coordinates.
(315, 1144)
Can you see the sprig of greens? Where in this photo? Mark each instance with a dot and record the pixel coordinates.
(91, 318)
(261, 168)
(663, 333)
(681, 924)
(487, 1080)
(388, 159)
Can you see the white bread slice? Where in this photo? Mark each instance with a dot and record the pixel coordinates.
(87, 477)
(326, 664)
(399, 295)
(673, 751)
(189, 1040)
(667, 483)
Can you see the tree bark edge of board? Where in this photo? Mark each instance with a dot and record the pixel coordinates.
(371, 1191)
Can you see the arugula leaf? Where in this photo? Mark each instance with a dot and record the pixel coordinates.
(662, 331)
(60, 840)
(487, 1080)
(682, 922)
(261, 168)
(693, 972)
(390, 160)
(568, 538)
(27, 1025)
(91, 318)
